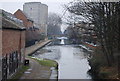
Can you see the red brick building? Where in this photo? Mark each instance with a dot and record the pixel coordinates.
(13, 45)
(32, 33)
(26, 21)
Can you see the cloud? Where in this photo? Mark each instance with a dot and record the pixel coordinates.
(35, 1)
(53, 5)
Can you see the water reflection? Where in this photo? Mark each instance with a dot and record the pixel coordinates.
(72, 60)
(62, 42)
(72, 66)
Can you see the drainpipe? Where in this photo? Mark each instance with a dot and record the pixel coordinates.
(19, 50)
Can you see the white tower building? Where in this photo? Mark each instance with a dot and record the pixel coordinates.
(38, 12)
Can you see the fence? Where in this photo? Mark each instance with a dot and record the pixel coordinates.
(10, 64)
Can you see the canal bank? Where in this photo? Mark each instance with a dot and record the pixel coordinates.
(99, 67)
(33, 48)
(72, 60)
(36, 70)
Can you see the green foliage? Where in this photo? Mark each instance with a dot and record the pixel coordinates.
(98, 60)
(19, 73)
(103, 74)
(0, 14)
(49, 63)
(46, 62)
(95, 65)
(99, 66)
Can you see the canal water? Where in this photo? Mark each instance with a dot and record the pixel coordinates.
(72, 60)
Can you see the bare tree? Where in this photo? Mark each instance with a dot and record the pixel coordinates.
(105, 16)
(54, 24)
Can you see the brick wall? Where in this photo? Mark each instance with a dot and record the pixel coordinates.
(31, 34)
(0, 55)
(11, 41)
(0, 43)
(13, 51)
(20, 15)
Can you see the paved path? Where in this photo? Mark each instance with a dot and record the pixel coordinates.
(33, 48)
(36, 71)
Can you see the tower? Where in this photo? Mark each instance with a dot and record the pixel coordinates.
(38, 12)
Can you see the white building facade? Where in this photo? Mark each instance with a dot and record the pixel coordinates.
(38, 12)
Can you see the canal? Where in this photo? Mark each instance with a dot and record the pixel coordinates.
(72, 59)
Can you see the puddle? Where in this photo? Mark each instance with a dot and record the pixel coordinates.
(27, 72)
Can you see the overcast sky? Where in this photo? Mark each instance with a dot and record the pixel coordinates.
(53, 5)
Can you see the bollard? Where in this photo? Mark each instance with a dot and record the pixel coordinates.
(26, 62)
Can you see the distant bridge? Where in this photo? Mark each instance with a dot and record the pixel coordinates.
(59, 37)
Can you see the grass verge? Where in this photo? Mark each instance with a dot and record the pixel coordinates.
(45, 62)
(19, 73)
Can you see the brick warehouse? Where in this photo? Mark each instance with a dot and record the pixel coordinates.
(13, 44)
(32, 32)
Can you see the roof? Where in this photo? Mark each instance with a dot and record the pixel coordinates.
(8, 23)
(25, 15)
(39, 3)
(32, 3)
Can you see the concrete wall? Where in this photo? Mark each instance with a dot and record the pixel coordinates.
(44, 17)
(39, 13)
